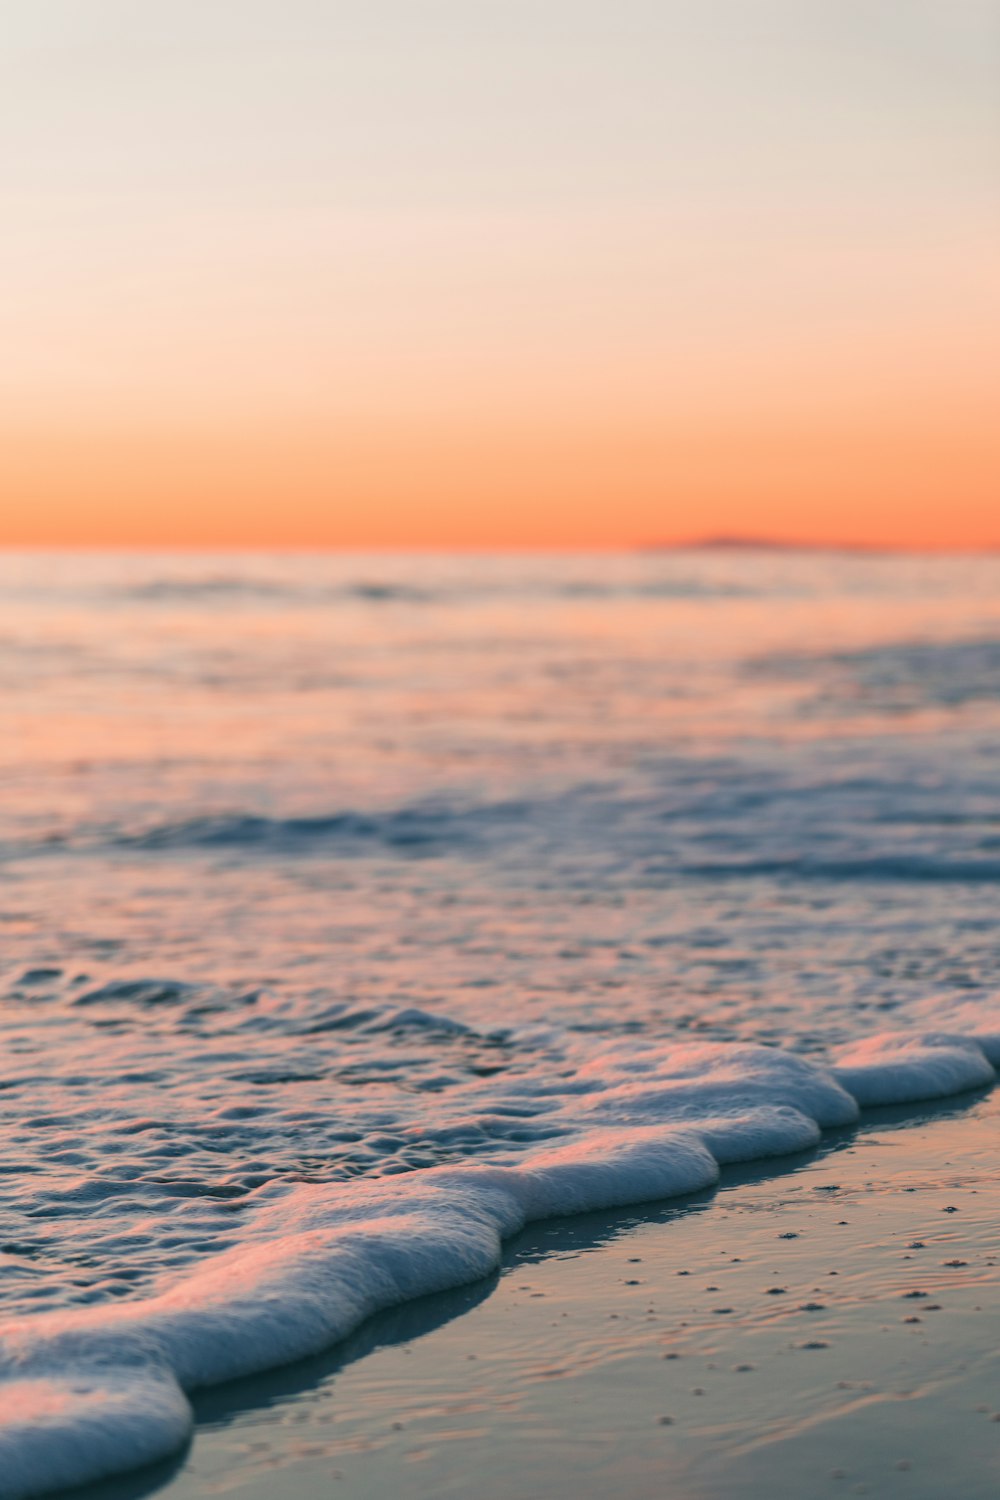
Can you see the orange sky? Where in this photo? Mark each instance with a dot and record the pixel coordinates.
(530, 275)
(887, 484)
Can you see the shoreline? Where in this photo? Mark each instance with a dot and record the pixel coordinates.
(614, 1381)
(106, 1390)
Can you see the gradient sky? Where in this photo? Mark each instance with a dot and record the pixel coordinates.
(499, 272)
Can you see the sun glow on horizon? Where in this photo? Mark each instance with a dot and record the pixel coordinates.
(529, 276)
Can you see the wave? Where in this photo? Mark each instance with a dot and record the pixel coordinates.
(89, 1392)
(690, 821)
(425, 827)
(656, 588)
(901, 677)
(906, 868)
(223, 588)
(411, 828)
(237, 589)
(593, 828)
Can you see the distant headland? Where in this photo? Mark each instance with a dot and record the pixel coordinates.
(738, 543)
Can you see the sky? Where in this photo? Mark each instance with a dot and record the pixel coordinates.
(499, 273)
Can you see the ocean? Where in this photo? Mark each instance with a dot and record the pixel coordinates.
(357, 910)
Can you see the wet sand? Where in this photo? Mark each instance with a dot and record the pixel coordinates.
(828, 1324)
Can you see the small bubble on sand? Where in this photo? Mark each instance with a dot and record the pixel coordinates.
(954, 1262)
(776, 1291)
(665, 1421)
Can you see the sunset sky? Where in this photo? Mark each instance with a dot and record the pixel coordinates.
(499, 272)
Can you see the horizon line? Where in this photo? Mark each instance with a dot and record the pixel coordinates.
(711, 543)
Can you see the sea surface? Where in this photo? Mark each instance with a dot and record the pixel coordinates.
(355, 911)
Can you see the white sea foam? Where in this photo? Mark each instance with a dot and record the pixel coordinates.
(94, 1420)
(88, 1392)
(896, 1068)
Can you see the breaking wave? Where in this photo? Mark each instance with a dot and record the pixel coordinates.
(88, 1392)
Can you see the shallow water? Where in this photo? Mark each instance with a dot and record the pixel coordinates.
(321, 869)
(824, 1329)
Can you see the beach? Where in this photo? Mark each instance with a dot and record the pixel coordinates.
(435, 988)
(499, 751)
(825, 1326)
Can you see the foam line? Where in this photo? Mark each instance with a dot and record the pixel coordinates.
(90, 1392)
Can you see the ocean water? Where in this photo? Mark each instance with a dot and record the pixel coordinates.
(356, 911)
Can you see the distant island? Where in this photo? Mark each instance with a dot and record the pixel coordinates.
(743, 544)
(738, 543)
